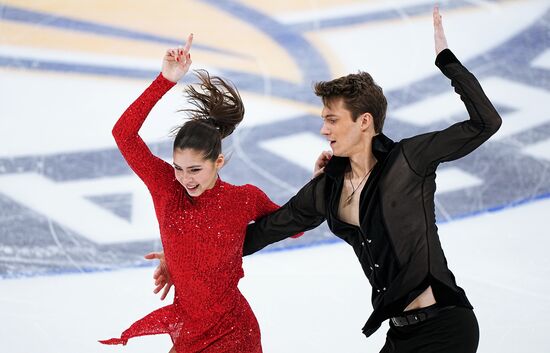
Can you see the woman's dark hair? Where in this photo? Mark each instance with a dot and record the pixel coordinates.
(217, 110)
(360, 94)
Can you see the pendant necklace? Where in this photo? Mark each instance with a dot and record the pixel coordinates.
(354, 189)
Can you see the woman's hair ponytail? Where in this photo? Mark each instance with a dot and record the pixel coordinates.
(217, 102)
(216, 112)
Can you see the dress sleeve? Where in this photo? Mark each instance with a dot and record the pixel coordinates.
(262, 204)
(304, 211)
(424, 152)
(154, 172)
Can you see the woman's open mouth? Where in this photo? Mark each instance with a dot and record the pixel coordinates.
(192, 188)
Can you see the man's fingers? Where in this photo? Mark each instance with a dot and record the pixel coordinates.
(437, 16)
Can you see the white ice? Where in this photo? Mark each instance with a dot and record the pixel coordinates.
(310, 300)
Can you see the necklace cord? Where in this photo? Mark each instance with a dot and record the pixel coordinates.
(354, 189)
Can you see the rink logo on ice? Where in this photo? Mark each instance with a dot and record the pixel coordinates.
(71, 204)
(86, 211)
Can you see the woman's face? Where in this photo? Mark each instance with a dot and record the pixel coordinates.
(195, 173)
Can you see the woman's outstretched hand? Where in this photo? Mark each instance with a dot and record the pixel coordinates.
(439, 35)
(177, 61)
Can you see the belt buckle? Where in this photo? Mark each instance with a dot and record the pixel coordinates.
(394, 321)
(411, 319)
(397, 322)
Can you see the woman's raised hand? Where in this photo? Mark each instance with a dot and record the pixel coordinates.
(439, 35)
(177, 61)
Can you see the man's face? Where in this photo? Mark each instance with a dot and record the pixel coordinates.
(343, 134)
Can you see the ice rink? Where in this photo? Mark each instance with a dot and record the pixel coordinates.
(75, 222)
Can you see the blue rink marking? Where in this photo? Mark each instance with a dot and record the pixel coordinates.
(378, 16)
(56, 66)
(270, 249)
(37, 18)
(506, 182)
(307, 57)
(310, 62)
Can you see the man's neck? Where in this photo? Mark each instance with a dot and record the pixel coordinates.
(362, 161)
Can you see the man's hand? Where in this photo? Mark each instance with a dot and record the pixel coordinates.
(321, 162)
(177, 61)
(439, 35)
(161, 274)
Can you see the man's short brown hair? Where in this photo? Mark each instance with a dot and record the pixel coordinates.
(360, 93)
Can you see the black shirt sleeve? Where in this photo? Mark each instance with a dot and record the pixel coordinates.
(425, 152)
(302, 212)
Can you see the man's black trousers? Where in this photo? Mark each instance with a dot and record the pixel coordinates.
(451, 331)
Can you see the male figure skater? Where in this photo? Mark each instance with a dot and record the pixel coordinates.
(378, 196)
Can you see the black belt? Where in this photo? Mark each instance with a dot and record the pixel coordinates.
(419, 315)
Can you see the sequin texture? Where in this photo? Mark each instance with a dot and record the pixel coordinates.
(202, 239)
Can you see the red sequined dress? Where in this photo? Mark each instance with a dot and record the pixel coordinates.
(202, 239)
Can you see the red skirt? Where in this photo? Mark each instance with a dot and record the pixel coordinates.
(236, 331)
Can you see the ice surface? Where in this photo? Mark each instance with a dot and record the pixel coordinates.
(308, 300)
(75, 222)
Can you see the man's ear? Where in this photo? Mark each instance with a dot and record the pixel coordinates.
(366, 121)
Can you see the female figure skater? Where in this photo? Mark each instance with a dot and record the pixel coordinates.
(202, 219)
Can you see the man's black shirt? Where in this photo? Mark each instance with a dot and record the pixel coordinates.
(397, 243)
